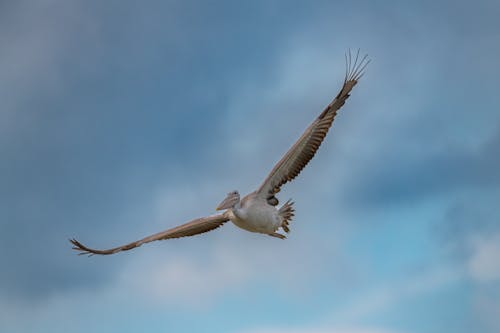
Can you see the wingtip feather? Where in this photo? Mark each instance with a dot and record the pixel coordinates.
(355, 69)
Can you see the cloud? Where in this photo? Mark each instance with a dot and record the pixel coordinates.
(389, 296)
(122, 120)
(451, 170)
(78, 142)
(230, 261)
(487, 308)
(186, 280)
(470, 237)
(321, 330)
(484, 264)
(189, 275)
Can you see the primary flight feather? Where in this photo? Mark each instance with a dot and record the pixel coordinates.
(257, 211)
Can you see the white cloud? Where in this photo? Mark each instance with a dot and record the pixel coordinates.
(484, 262)
(487, 307)
(186, 279)
(229, 260)
(393, 293)
(321, 330)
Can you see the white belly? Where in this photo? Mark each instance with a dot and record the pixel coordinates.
(257, 217)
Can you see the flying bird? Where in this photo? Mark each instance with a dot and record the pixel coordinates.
(258, 212)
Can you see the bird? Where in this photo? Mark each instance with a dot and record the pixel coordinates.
(257, 212)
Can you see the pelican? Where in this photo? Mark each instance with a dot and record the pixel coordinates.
(258, 212)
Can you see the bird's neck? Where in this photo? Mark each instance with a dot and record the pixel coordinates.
(236, 211)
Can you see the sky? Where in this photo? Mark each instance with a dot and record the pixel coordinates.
(119, 119)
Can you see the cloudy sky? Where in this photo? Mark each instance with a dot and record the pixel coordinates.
(122, 118)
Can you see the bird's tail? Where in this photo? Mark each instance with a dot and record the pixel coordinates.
(286, 213)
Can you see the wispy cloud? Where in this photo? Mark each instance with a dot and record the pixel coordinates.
(321, 330)
(484, 264)
(120, 119)
(392, 294)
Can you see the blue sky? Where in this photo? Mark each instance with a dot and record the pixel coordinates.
(119, 119)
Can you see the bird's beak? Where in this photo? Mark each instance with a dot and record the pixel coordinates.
(225, 204)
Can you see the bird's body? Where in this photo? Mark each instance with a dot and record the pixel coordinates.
(257, 211)
(255, 214)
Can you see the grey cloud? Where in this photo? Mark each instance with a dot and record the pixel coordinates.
(393, 178)
(91, 128)
(111, 99)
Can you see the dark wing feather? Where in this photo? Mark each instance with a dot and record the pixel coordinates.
(305, 148)
(192, 228)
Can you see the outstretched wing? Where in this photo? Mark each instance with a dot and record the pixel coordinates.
(192, 228)
(304, 149)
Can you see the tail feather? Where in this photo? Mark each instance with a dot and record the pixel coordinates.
(287, 212)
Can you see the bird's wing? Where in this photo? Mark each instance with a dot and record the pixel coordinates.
(192, 228)
(304, 149)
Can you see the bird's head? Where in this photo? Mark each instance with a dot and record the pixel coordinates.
(231, 200)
